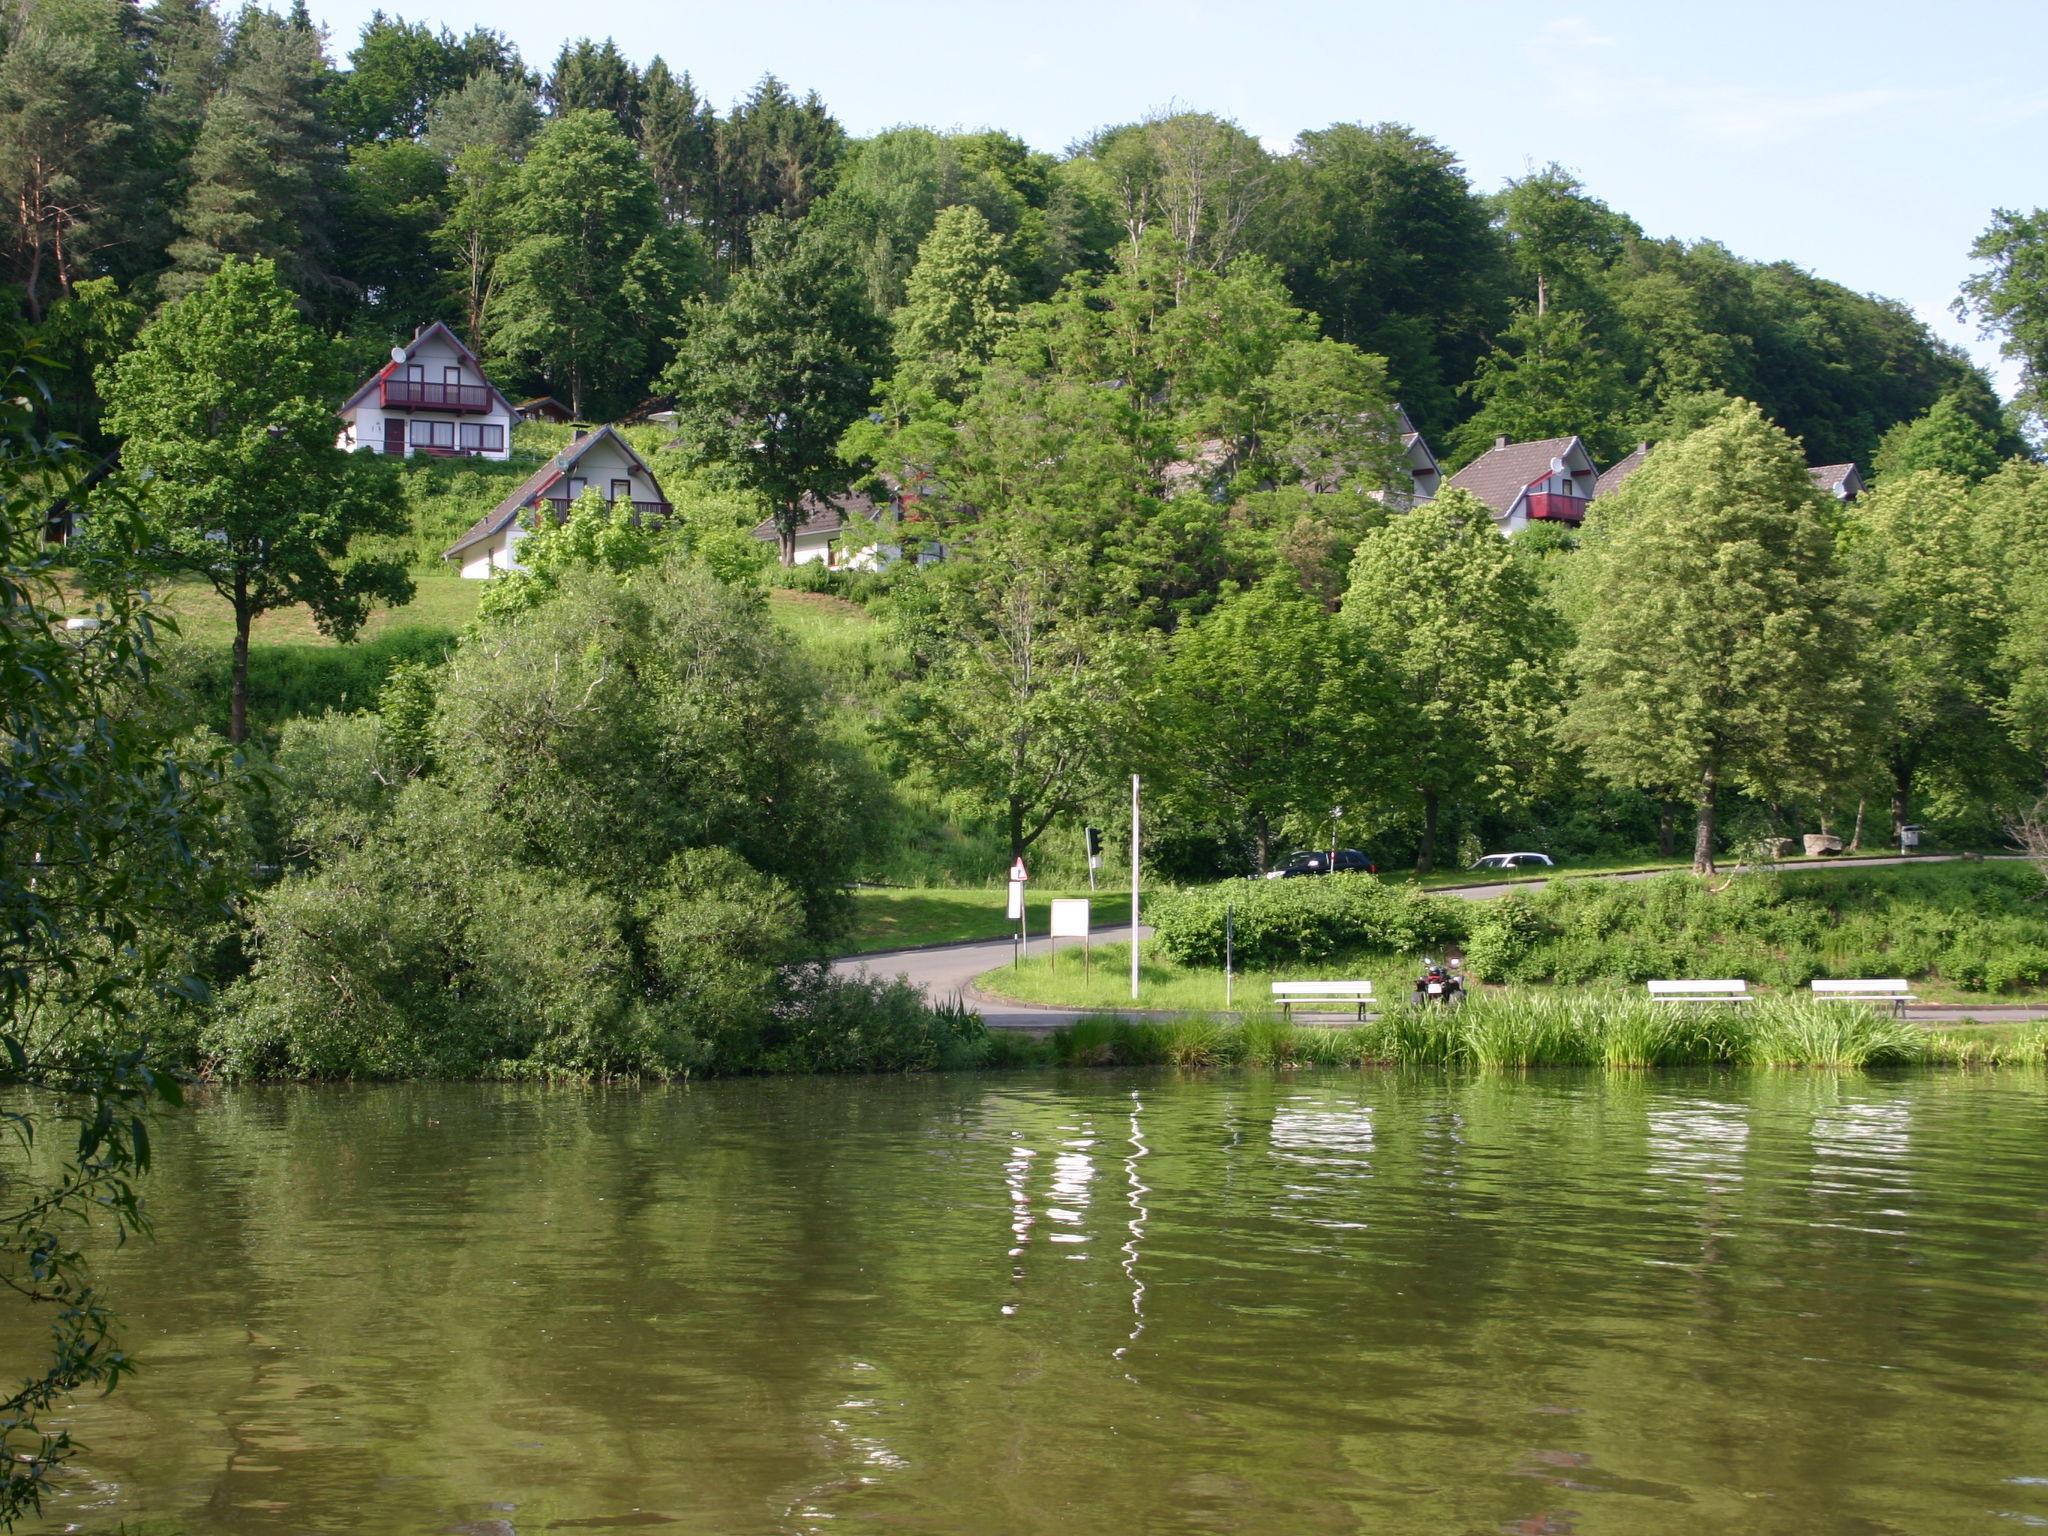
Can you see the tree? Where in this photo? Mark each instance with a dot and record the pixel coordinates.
(1722, 650)
(70, 111)
(226, 411)
(476, 232)
(1910, 549)
(1454, 627)
(1559, 239)
(392, 208)
(595, 77)
(265, 169)
(679, 137)
(111, 845)
(500, 114)
(1545, 377)
(957, 303)
(594, 278)
(1947, 439)
(776, 155)
(1253, 718)
(2010, 300)
(400, 69)
(1016, 702)
(767, 379)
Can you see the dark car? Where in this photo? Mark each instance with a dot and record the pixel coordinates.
(1316, 861)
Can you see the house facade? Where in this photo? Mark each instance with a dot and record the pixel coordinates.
(845, 532)
(431, 398)
(1552, 480)
(1425, 475)
(600, 461)
(1841, 481)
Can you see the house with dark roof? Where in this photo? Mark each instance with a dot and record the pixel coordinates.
(1841, 481)
(543, 408)
(1425, 475)
(1548, 481)
(1615, 474)
(432, 397)
(848, 533)
(602, 462)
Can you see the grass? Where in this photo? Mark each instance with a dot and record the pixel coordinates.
(1512, 1035)
(897, 919)
(1165, 983)
(1449, 878)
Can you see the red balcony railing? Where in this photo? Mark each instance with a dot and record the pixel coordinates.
(560, 506)
(420, 395)
(1555, 508)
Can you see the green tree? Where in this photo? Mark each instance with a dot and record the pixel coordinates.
(679, 137)
(70, 111)
(1910, 549)
(958, 302)
(767, 379)
(226, 412)
(1947, 439)
(111, 844)
(391, 209)
(2010, 299)
(1722, 650)
(1253, 717)
(1547, 376)
(595, 277)
(476, 232)
(500, 114)
(777, 154)
(1454, 627)
(1560, 240)
(595, 77)
(400, 69)
(265, 170)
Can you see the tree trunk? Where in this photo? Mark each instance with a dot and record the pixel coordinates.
(1262, 842)
(1703, 827)
(1856, 837)
(1667, 829)
(1425, 856)
(238, 693)
(1902, 794)
(1017, 841)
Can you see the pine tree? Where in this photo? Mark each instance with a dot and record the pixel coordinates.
(503, 115)
(776, 155)
(679, 137)
(596, 77)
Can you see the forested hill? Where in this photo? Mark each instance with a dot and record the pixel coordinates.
(434, 176)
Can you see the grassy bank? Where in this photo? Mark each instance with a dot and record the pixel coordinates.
(1522, 1033)
(887, 918)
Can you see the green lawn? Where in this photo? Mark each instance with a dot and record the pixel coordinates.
(895, 918)
(204, 618)
(1442, 878)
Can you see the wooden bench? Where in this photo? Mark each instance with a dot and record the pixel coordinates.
(1892, 990)
(1699, 992)
(1349, 994)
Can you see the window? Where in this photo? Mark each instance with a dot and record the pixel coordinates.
(576, 488)
(433, 434)
(416, 372)
(451, 375)
(482, 436)
(622, 490)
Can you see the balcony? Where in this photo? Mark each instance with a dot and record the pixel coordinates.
(560, 505)
(419, 395)
(1548, 506)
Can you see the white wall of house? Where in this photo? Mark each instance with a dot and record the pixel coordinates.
(605, 468)
(493, 555)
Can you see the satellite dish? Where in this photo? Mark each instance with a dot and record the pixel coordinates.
(1556, 465)
(398, 354)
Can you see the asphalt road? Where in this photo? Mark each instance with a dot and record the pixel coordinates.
(949, 970)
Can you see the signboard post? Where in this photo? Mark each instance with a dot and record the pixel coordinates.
(1134, 887)
(1070, 921)
(1019, 875)
(1229, 943)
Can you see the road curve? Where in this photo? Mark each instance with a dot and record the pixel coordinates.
(950, 970)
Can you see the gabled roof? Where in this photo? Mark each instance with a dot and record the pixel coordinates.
(1413, 441)
(1612, 477)
(539, 401)
(1500, 475)
(827, 516)
(418, 336)
(506, 512)
(1840, 480)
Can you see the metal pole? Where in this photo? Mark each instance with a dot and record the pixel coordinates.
(1134, 887)
(1229, 942)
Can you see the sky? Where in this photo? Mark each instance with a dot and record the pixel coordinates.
(1867, 142)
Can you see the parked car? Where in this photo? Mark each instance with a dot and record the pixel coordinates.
(1516, 861)
(1316, 861)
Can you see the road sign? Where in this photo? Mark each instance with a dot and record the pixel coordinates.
(1070, 918)
(1016, 900)
(1018, 873)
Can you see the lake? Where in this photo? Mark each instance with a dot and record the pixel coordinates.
(1083, 1303)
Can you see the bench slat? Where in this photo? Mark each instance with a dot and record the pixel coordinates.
(1321, 988)
(1691, 988)
(1885, 987)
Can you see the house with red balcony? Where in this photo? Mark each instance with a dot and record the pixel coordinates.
(1548, 481)
(431, 398)
(601, 462)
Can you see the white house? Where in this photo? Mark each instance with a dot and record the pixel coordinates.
(1550, 480)
(601, 461)
(432, 397)
(847, 533)
(1424, 473)
(1841, 481)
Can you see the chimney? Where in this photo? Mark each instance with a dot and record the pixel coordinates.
(1642, 447)
(1500, 442)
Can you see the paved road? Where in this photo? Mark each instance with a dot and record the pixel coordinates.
(949, 970)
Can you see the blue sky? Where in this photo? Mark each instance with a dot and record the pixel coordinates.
(1868, 142)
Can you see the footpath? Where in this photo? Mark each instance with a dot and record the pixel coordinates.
(951, 970)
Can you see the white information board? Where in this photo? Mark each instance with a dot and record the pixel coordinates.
(1016, 900)
(1070, 918)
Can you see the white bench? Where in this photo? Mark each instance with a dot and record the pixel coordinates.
(1350, 994)
(1699, 992)
(1892, 990)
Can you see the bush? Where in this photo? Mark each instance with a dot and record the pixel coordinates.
(833, 1023)
(1281, 921)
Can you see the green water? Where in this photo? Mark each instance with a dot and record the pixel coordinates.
(1091, 1303)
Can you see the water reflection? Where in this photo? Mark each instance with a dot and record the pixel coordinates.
(1381, 1302)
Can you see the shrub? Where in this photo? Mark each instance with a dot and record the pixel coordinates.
(827, 1022)
(1278, 921)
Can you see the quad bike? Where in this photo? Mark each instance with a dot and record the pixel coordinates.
(1438, 984)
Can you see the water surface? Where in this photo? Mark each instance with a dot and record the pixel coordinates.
(1091, 1303)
